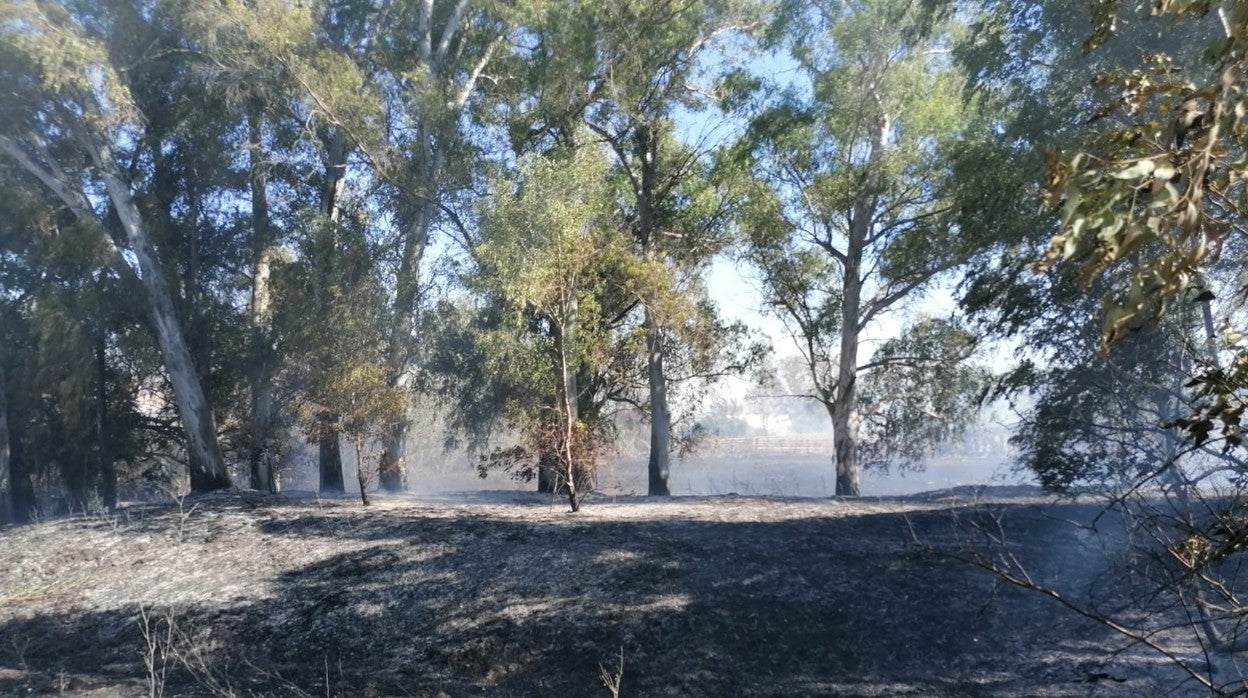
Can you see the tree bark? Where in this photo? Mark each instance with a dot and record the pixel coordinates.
(329, 439)
(659, 467)
(547, 472)
(844, 406)
(260, 373)
(361, 472)
(391, 469)
(330, 436)
(567, 398)
(261, 381)
(392, 466)
(21, 488)
(845, 446)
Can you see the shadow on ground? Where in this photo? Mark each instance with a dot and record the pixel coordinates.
(460, 604)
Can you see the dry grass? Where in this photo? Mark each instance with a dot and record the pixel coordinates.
(509, 595)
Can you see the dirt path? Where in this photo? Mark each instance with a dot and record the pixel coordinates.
(511, 596)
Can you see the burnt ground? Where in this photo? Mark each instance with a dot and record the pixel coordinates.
(509, 595)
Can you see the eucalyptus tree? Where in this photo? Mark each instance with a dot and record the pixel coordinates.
(627, 71)
(386, 88)
(1090, 419)
(853, 218)
(553, 256)
(71, 378)
(76, 128)
(437, 59)
(261, 97)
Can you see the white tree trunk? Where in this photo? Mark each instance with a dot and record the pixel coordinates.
(260, 373)
(392, 468)
(261, 383)
(206, 463)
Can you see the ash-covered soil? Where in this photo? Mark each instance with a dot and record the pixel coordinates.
(510, 595)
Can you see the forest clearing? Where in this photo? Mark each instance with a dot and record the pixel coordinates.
(507, 594)
(629, 348)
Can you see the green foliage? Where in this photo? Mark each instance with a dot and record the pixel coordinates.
(855, 209)
(552, 256)
(1157, 199)
(926, 392)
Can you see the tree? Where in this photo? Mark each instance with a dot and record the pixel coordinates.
(853, 215)
(644, 59)
(329, 327)
(551, 252)
(1160, 198)
(1134, 401)
(367, 405)
(1087, 420)
(72, 106)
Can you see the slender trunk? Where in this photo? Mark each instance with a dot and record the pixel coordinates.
(844, 406)
(567, 391)
(330, 436)
(660, 416)
(6, 476)
(104, 456)
(659, 466)
(21, 487)
(260, 373)
(392, 468)
(258, 456)
(361, 472)
(330, 445)
(207, 467)
(335, 174)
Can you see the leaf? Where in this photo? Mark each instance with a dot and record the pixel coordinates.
(1137, 170)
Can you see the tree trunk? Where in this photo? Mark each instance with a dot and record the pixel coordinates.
(21, 488)
(207, 467)
(261, 384)
(206, 464)
(844, 407)
(6, 476)
(330, 446)
(361, 472)
(660, 416)
(547, 472)
(104, 457)
(659, 466)
(845, 445)
(330, 436)
(392, 470)
(567, 398)
(392, 467)
(260, 373)
(75, 478)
